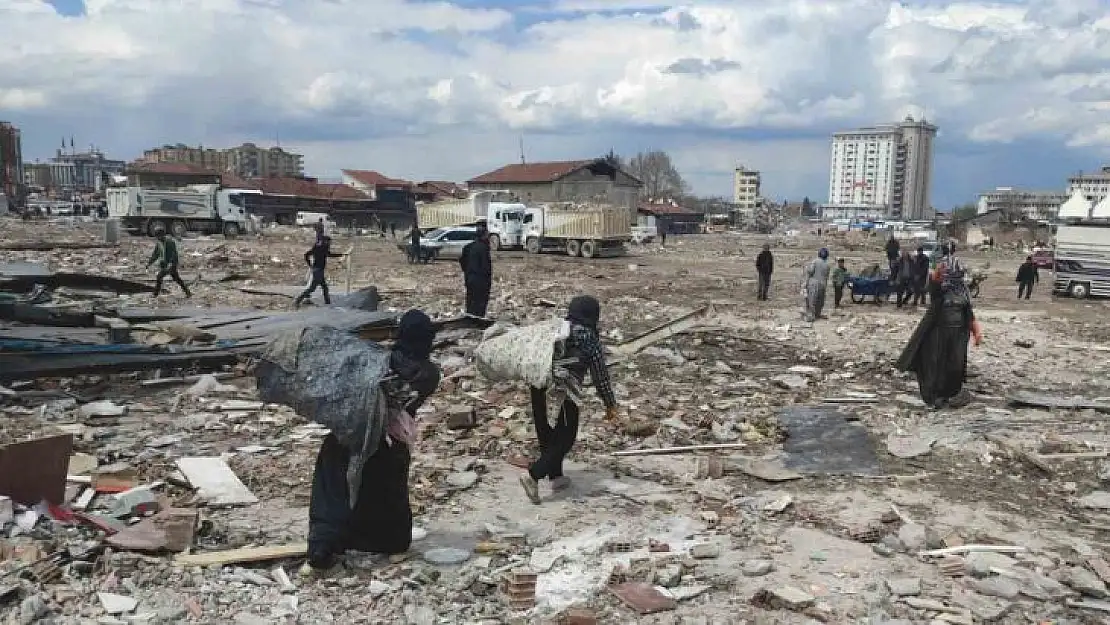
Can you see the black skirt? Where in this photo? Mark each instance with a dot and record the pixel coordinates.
(381, 521)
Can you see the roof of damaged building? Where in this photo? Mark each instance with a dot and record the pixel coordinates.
(372, 178)
(307, 187)
(531, 172)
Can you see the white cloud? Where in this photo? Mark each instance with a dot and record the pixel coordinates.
(347, 73)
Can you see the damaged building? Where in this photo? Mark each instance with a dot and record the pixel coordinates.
(594, 180)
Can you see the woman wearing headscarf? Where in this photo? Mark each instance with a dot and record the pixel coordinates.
(381, 520)
(583, 345)
(816, 278)
(937, 350)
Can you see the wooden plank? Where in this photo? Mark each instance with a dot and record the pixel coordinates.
(666, 330)
(216, 482)
(243, 555)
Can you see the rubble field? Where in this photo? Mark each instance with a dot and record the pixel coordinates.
(804, 480)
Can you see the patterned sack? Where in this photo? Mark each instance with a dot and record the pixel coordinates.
(522, 354)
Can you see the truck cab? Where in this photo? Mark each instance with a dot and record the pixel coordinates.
(505, 220)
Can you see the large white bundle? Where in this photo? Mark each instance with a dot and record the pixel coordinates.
(522, 354)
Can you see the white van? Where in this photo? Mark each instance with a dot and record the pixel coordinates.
(307, 219)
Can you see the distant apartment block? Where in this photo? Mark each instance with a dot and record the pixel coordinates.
(882, 171)
(1032, 205)
(246, 161)
(11, 164)
(745, 190)
(1095, 185)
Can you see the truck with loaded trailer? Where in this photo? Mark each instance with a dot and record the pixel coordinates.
(207, 209)
(502, 219)
(589, 231)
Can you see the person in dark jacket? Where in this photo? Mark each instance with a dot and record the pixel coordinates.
(165, 252)
(381, 520)
(317, 259)
(414, 244)
(661, 231)
(920, 277)
(764, 266)
(477, 267)
(584, 313)
(904, 280)
(937, 350)
(893, 249)
(1027, 275)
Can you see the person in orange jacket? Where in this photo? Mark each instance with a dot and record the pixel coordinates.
(937, 351)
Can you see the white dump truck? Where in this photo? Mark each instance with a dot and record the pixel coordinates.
(503, 219)
(589, 231)
(208, 209)
(1082, 260)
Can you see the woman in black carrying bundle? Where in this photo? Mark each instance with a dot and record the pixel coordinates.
(381, 520)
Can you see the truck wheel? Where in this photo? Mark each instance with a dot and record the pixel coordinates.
(532, 245)
(155, 227)
(573, 248)
(178, 229)
(495, 242)
(589, 249)
(231, 230)
(1079, 290)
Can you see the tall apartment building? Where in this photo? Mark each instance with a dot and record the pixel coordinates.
(246, 161)
(11, 164)
(1095, 185)
(1016, 203)
(882, 171)
(745, 190)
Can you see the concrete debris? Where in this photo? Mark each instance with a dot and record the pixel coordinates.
(178, 495)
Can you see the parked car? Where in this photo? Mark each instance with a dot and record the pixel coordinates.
(449, 242)
(1044, 259)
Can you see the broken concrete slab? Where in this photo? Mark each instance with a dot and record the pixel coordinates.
(215, 482)
(904, 586)
(783, 598)
(1080, 579)
(910, 446)
(642, 597)
(116, 604)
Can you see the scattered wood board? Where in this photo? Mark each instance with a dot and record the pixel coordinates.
(244, 555)
(216, 482)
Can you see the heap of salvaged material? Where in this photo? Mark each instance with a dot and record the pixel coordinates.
(38, 340)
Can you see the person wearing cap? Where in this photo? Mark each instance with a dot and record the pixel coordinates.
(816, 277)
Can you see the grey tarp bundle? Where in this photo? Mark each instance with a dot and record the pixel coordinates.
(332, 378)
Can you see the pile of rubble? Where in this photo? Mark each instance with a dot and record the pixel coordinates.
(763, 467)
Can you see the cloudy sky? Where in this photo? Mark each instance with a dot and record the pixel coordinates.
(445, 90)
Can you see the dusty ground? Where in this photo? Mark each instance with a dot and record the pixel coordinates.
(724, 382)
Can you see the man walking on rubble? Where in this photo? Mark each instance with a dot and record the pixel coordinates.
(165, 252)
(893, 249)
(1027, 275)
(414, 244)
(317, 259)
(920, 277)
(764, 265)
(477, 267)
(816, 278)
